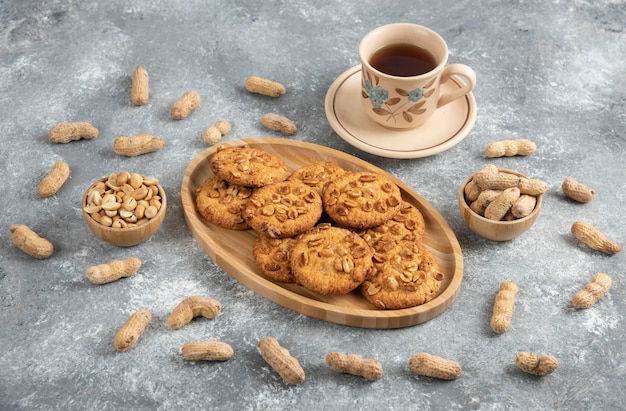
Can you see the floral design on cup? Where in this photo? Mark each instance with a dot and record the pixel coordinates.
(403, 102)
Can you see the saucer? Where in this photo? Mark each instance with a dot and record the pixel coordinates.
(447, 127)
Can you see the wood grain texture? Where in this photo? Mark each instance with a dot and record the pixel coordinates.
(232, 250)
(125, 237)
(491, 229)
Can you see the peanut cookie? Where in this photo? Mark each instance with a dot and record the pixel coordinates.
(407, 275)
(272, 257)
(248, 166)
(283, 209)
(362, 199)
(331, 260)
(406, 225)
(222, 203)
(317, 175)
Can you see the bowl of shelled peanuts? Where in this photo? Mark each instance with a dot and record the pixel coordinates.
(500, 204)
(124, 209)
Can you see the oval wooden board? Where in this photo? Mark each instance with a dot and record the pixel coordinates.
(232, 250)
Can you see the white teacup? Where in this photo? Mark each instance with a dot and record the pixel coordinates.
(402, 68)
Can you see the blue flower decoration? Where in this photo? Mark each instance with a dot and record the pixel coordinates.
(416, 95)
(377, 95)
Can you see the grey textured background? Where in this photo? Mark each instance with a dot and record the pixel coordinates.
(553, 72)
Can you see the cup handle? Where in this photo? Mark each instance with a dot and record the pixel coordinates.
(461, 70)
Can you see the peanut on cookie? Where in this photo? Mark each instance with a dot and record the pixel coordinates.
(222, 203)
(283, 209)
(331, 260)
(248, 166)
(407, 275)
(362, 199)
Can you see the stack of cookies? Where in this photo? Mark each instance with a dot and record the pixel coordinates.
(324, 228)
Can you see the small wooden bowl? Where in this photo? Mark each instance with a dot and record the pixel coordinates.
(125, 237)
(491, 229)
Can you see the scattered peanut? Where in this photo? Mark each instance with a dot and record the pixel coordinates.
(223, 126)
(112, 271)
(187, 103)
(214, 133)
(140, 90)
(281, 361)
(594, 238)
(263, 86)
(66, 132)
(536, 365)
(136, 145)
(436, 367)
(129, 334)
(207, 351)
(54, 180)
(123, 199)
(508, 148)
(280, 123)
(503, 307)
(369, 369)
(192, 307)
(500, 205)
(593, 291)
(29, 242)
(577, 191)
(211, 135)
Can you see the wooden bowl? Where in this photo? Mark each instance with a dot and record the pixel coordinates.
(232, 249)
(129, 236)
(491, 229)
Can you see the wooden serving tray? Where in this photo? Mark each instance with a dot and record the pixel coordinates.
(232, 250)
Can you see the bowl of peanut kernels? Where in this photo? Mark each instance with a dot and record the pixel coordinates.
(500, 204)
(124, 209)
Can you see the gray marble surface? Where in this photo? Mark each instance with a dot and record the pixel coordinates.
(553, 72)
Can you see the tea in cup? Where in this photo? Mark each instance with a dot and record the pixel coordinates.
(403, 66)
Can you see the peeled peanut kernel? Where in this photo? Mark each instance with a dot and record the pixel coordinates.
(150, 212)
(135, 180)
(120, 201)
